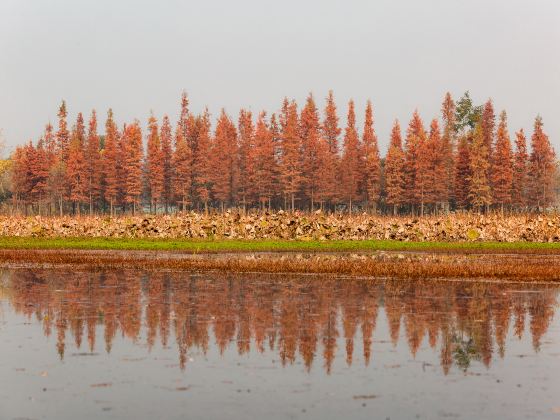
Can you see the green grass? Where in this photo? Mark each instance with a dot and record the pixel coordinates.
(195, 246)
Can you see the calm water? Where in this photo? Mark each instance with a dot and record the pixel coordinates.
(135, 345)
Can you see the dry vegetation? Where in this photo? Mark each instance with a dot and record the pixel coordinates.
(381, 264)
(292, 226)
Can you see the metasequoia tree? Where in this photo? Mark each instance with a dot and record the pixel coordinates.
(330, 134)
(448, 146)
(520, 171)
(350, 163)
(182, 164)
(77, 166)
(132, 146)
(372, 161)
(62, 135)
(110, 162)
(463, 171)
(246, 144)
(394, 170)
(154, 164)
(313, 155)
(225, 174)
(415, 136)
(502, 169)
(264, 172)
(93, 162)
(290, 162)
(167, 161)
(542, 168)
(202, 159)
(479, 186)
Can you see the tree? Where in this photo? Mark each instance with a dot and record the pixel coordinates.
(502, 169)
(132, 146)
(182, 164)
(21, 175)
(437, 149)
(110, 162)
(542, 168)
(40, 166)
(372, 162)
(290, 163)
(350, 163)
(202, 158)
(415, 136)
(167, 158)
(77, 166)
(331, 132)
(224, 161)
(520, 171)
(313, 155)
(463, 172)
(394, 169)
(479, 187)
(264, 174)
(246, 145)
(154, 164)
(62, 135)
(466, 114)
(93, 162)
(448, 146)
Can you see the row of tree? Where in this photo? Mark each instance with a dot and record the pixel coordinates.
(291, 160)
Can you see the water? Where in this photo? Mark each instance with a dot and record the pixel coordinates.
(135, 345)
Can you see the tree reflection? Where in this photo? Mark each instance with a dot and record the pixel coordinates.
(292, 316)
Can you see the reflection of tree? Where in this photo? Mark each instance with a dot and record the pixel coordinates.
(291, 316)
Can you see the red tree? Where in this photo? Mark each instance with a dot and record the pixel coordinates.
(110, 162)
(264, 173)
(415, 136)
(313, 155)
(132, 145)
(62, 135)
(182, 165)
(542, 168)
(77, 167)
(93, 162)
(372, 162)
(394, 170)
(167, 158)
(246, 145)
(350, 163)
(502, 169)
(520, 171)
(331, 132)
(290, 162)
(463, 172)
(224, 161)
(154, 164)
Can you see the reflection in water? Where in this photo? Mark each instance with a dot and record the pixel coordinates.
(305, 316)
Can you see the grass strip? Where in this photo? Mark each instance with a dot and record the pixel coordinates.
(232, 245)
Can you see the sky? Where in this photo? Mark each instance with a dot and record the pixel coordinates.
(137, 56)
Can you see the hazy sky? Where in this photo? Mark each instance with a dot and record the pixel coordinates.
(138, 55)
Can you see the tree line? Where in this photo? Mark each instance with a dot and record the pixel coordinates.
(292, 159)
